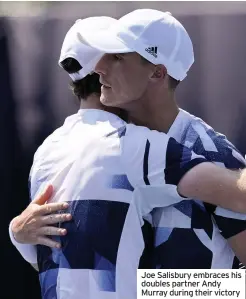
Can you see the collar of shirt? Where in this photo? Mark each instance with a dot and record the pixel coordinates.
(91, 116)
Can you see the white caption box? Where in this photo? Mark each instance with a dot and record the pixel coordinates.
(201, 284)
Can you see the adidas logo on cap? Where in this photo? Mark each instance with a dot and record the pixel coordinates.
(152, 51)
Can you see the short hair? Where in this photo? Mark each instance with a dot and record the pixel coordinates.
(173, 83)
(84, 87)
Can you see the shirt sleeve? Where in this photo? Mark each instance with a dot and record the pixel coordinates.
(155, 159)
(229, 223)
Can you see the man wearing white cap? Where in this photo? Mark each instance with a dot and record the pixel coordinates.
(148, 53)
(113, 174)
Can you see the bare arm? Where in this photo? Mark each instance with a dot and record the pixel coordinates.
(221, 187)
(160, 161)
(238, 245)
(216, 185)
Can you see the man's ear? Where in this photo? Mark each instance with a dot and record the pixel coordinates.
(159, 72)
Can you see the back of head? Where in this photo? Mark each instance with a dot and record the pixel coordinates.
(84, 87)
(79, 60)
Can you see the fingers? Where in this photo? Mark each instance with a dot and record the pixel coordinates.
(41, 200)
(48, 242)
(56, 218)
(52, 207)
(52, 231)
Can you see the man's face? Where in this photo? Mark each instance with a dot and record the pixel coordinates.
(124, 78)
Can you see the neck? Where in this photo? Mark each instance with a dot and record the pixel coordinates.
(91, 102)
(156, 113)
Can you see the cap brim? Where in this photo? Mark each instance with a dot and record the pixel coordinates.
(105, 41)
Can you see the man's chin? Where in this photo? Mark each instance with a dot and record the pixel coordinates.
(111, 101)
(106, 101)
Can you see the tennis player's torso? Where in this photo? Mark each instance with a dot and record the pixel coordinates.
(186, 234)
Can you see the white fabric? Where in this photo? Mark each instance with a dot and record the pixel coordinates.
(112, 179)
(155, 35)
(84, 54)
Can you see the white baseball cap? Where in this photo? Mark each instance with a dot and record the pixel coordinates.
(155, 35)
(84, 54)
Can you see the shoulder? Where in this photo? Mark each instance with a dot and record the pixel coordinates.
(214, 146)
(140, 143)
(145, 154)
(138, 136)
(139, 139)
(54, 138)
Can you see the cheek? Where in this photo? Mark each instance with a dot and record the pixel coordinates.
(129, 83)
(136, 84)
(121, 84)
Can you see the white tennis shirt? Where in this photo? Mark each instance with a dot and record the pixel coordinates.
(112, 174)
